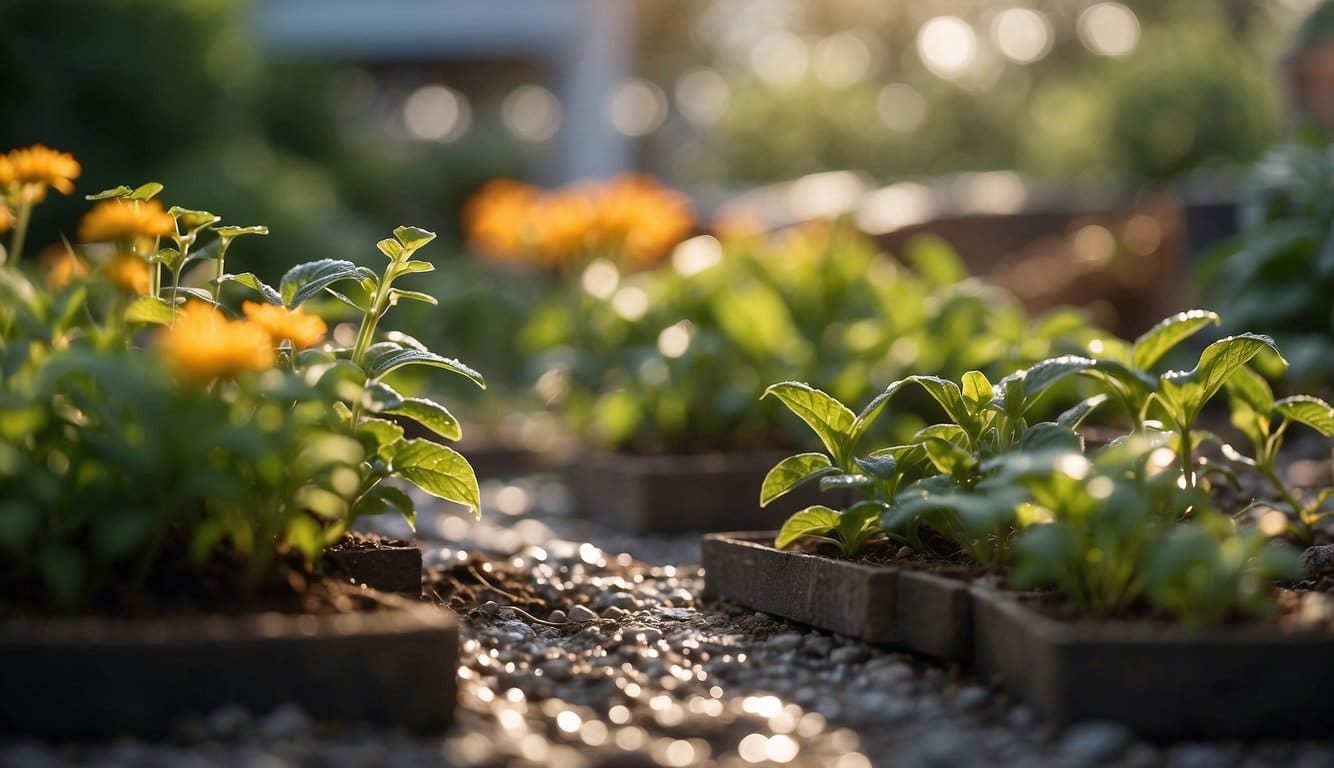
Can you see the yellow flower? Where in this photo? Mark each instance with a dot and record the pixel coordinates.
(129, 273)
(283, 324)
(35, 168)
(6, 218)
(60, 266)
(204, 345)
(123, 220)
(497, 218)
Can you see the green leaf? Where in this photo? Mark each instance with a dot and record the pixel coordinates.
(108, 194)
(413, 238)
(880, 465)
(184, 291)
(167, 257)
(950, 397)
(391, 248)
(249, 280)
(192, 220)
(811, 521)
(1049, 436)
(948, 457)
(1075, 415)
(149, 309)
(977, 391)
(935, 260)
(381, 361)
(1033, 381)
(146, 191)
(412, 267)
(872, 411)
(431, 415)
(1185, 392)
(379, 397)
(792, 472)
(305, 281)
(439, 471)
(830, 419)
(1311, 411)
(1150, 347)
(386, 498)
(1251, 388)
(232, 232)
(383, 434)
(398, 293)
(344, 298)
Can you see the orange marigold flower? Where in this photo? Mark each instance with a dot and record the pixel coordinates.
(283, 324)
(125, 220)
(60, 266)
(6, 218)
(565, 224)
(129, 273)
(204, 345)
(641, 218)
(498, 217)
(37, 167)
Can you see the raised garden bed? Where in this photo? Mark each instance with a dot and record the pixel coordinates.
(384, 660)
(383, 564)
(1161, 681)
(915, 610)
(681, 494)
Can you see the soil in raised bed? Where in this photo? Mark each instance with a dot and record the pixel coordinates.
(175, 586)
(939, 557)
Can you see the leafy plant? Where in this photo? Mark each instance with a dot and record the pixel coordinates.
(1206, 572)
(1276, 276)
(672, 359)
(1265, 421)
(220, 432)
(1176, 396)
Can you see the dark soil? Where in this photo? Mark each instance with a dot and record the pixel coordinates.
(469, 584)
(938, 557)
(356, 541)
(177, 587)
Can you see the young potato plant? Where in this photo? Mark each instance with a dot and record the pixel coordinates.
(1265, 421)
(937, 478)
(1177, 397)
(1107, 533)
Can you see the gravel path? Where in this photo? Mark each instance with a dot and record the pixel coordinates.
(611, 659)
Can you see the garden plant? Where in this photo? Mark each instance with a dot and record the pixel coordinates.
(153, 420)
(1127, 526)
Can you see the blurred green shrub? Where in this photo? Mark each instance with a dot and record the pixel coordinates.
(1277, 275)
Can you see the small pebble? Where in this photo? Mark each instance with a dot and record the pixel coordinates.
(972, 697)
(582, 613)
(1095, 741)
(848, 654)
(556, 617)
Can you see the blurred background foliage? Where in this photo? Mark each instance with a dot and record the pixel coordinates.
(726, 94)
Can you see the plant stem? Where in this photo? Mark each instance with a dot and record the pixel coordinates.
(367, 331)
(20, 232)
(222, 253)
